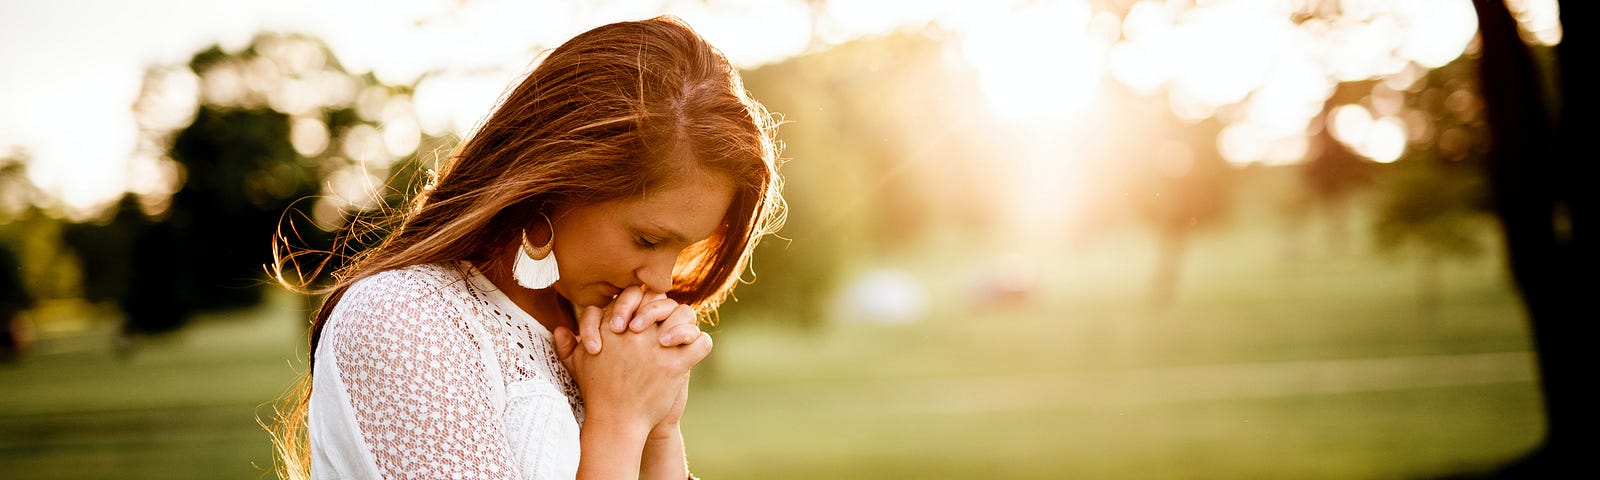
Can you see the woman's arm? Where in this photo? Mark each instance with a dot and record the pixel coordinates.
(611, 448)
(411, 369)
(664, 456)
(628, 389)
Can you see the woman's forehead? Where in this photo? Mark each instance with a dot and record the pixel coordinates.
(693, 207)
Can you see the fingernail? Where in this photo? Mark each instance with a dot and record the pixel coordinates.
(617, 323)
(666, 339)
(593, 346)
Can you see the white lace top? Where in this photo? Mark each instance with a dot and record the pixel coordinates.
(431, 372)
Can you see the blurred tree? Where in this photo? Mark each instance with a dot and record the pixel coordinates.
(1177, 184)
(1332, 173)
(104, 251)
(242, 173)
(1434, 198)
(876, 165)
(18, 195)
(14, 298)
(46, 269)
(153, 282)
(1537, 102)
(1431, 210)
(33, 264)
(1190, 191)
(275, 137)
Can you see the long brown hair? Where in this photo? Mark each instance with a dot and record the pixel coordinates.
(614, 112)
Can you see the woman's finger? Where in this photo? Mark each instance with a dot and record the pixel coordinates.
(622, 308)
(589, 328)
(652, 313)
(681, 334)
(699, 349)
(566, 343)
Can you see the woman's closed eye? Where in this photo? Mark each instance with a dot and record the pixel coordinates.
(646, 242)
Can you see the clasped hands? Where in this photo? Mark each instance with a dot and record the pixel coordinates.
(633, 370)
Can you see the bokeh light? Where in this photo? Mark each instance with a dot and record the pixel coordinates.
(1202, 238)
(1040, 61)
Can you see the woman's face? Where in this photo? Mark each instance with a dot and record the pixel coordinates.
(605, 247)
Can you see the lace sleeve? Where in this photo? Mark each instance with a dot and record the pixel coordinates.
(417, 382)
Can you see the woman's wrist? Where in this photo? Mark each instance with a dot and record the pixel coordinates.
(665, 431)
(611, 449)
(663, 456)
(632, 428)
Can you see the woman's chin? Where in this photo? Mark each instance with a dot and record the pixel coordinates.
(595, 297)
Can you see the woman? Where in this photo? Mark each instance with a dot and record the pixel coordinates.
(631, 154)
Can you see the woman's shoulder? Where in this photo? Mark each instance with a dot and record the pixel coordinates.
(414, 282)
(418, 289)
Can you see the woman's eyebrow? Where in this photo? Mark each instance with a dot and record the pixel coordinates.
(669, 231)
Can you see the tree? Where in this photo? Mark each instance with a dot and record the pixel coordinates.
(1536, 165)
(1332, 172)
(875, 165)
(1435, 197)
(274, 137)
(1168, 174)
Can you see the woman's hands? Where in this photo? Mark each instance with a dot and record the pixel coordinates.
(628, 359)
(634, 389)
(633, 310)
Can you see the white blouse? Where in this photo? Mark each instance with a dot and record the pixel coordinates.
(432, 372)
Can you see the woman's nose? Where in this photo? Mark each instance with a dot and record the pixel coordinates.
(657, 275)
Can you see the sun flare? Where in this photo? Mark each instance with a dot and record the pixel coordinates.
(1037, 62)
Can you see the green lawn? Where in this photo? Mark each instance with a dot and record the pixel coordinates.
(179, 406)
(1322, 367)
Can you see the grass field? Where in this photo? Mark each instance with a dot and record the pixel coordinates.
(1322, 367)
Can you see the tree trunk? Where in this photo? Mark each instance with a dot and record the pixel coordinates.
(1172, 243)
(1532, 175)
(1430, 285)
(1336, 213)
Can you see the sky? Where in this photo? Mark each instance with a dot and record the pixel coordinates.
(71, 69)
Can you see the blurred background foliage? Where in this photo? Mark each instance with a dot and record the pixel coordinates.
(1011, 285)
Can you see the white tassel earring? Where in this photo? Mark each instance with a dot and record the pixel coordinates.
(536, 266)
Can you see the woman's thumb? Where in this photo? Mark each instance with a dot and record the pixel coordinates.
(565, 344)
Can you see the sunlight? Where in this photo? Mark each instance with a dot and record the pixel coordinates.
(753, 32)
(401, 133)
(1540, 20)
(1350, 123)
(1438, 32)
(1272, 129)
(1386, 140)
(1219, 55)
(1270, 76)
(364, 144)
(1382, 139)
(454, 102)
(1134, 62)
(1021, 82)
(1250, 63)
(308, 136)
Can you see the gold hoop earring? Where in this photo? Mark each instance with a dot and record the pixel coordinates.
(536, 266)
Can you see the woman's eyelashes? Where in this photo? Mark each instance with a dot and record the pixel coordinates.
(646, 241)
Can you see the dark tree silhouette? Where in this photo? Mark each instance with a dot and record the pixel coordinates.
(242, 173)
(1538, 164)
(14, 298)
(246, 172)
